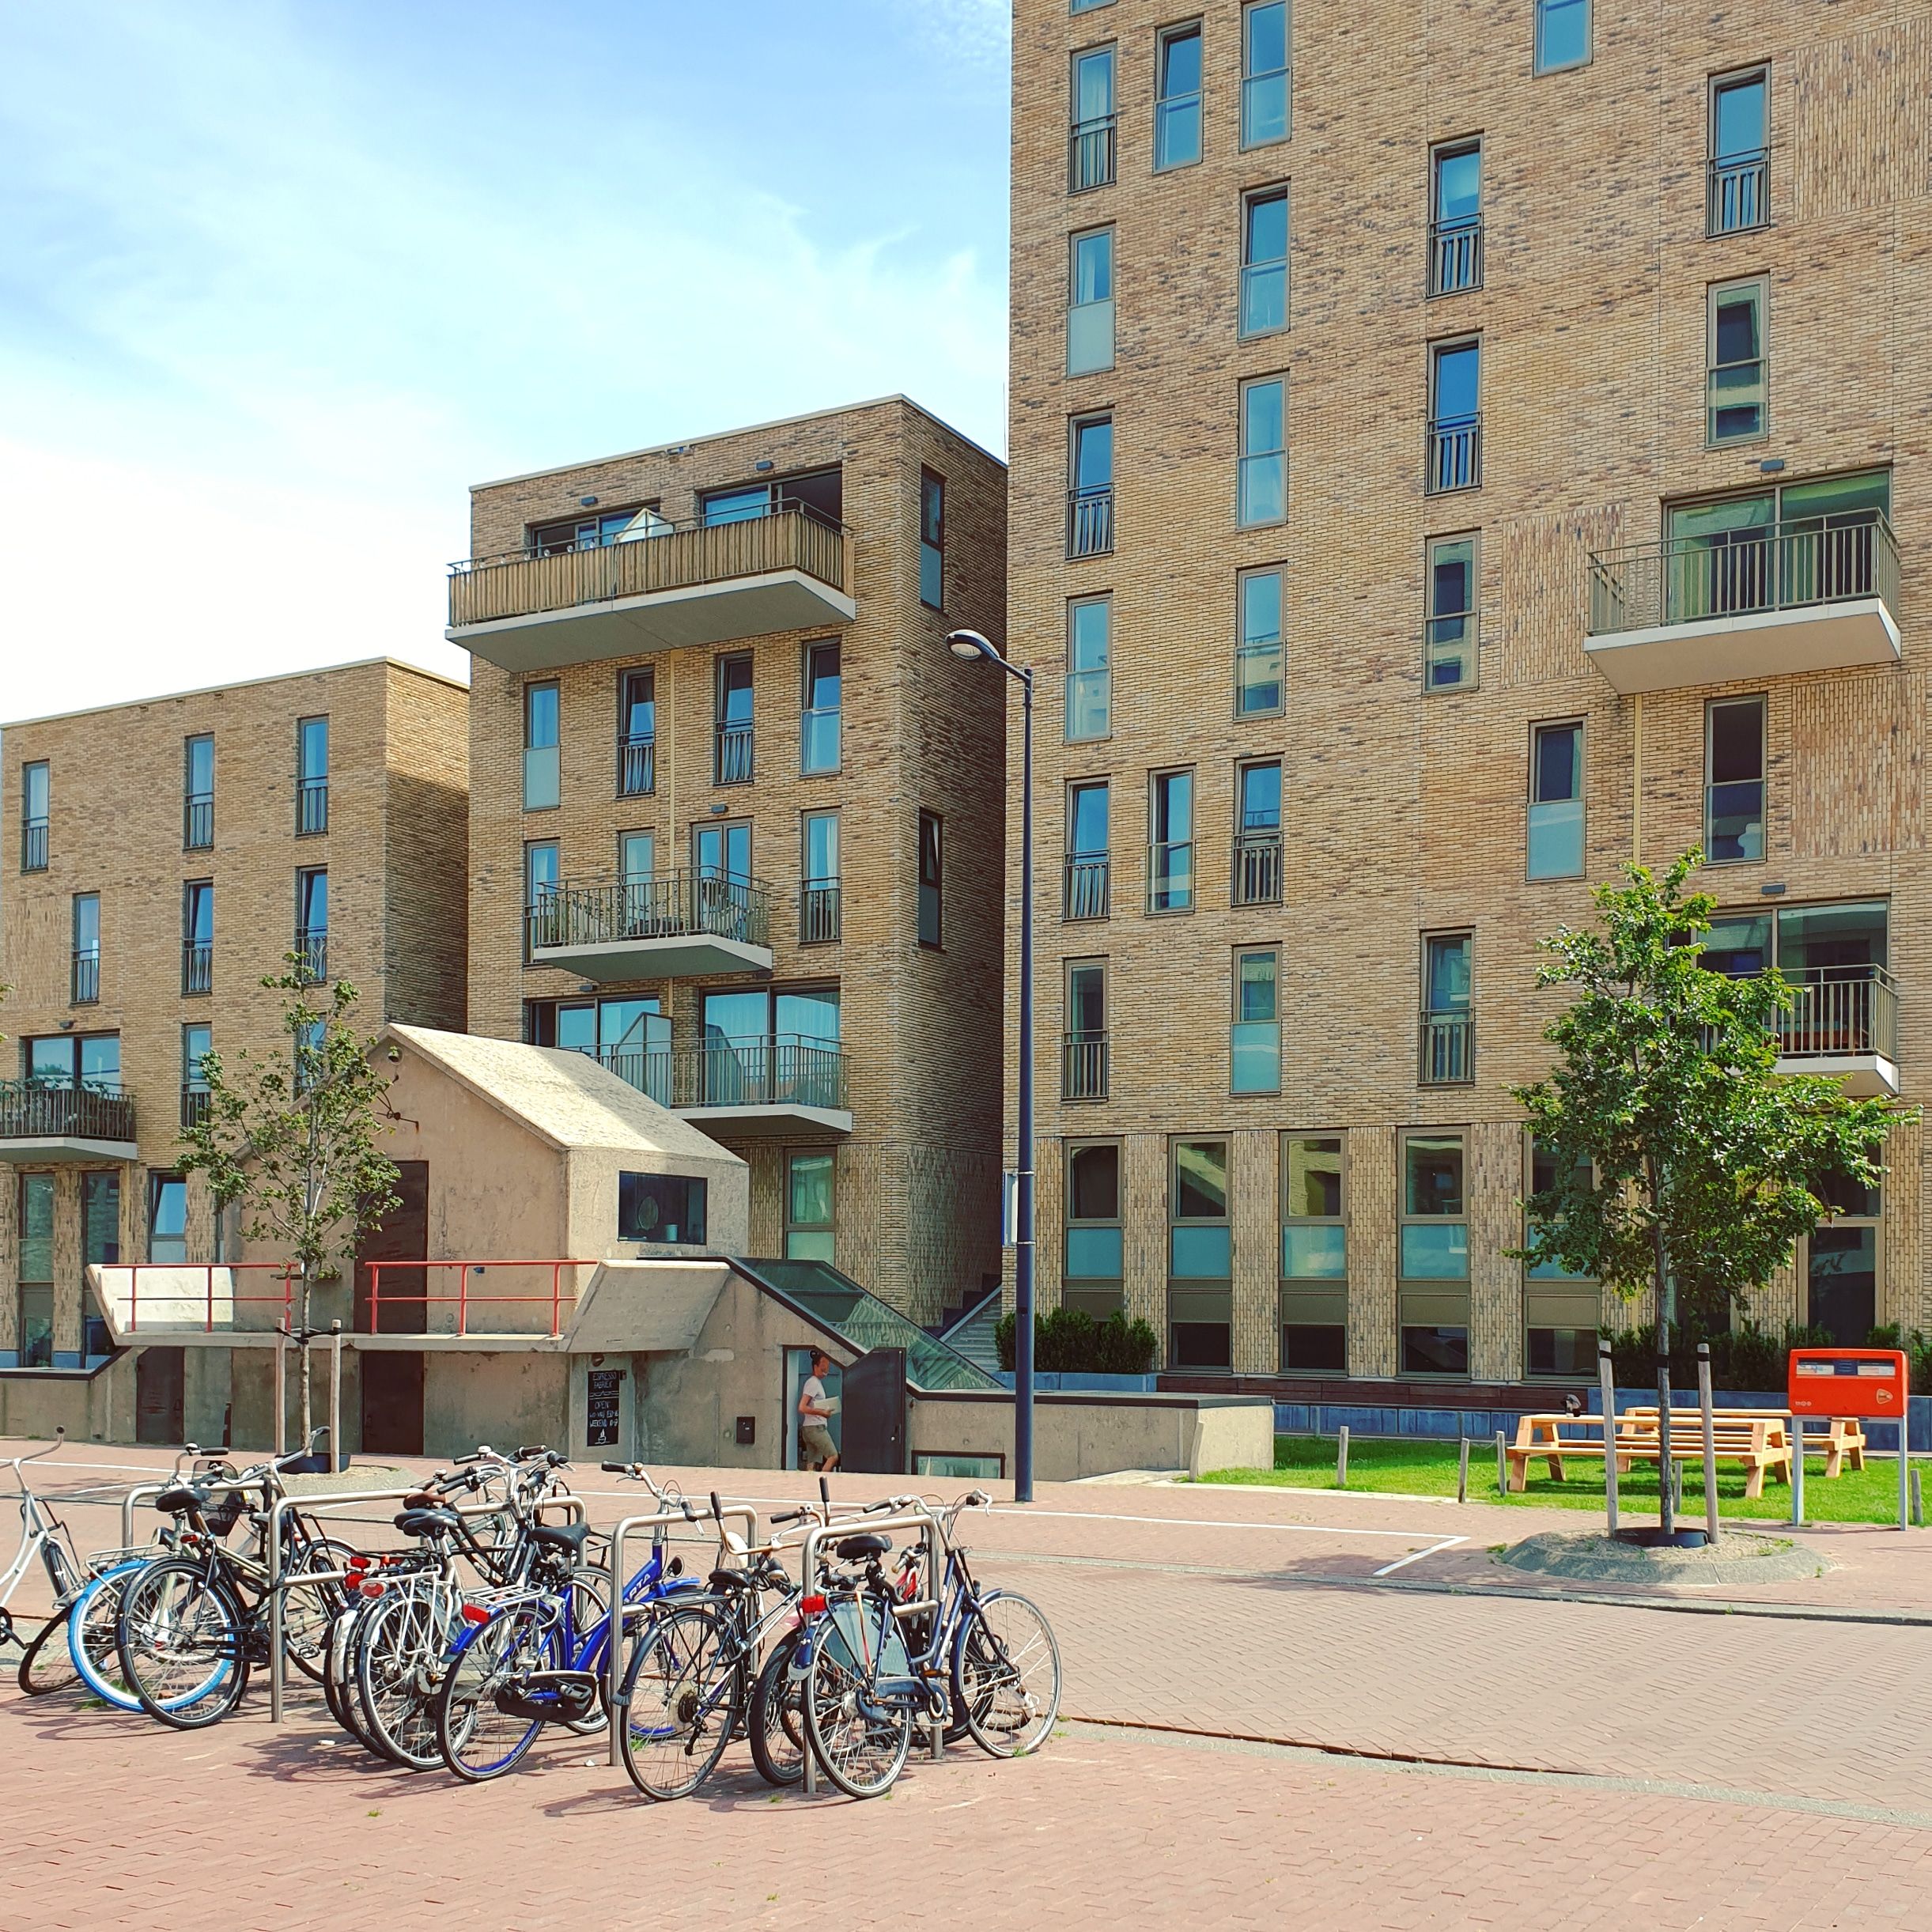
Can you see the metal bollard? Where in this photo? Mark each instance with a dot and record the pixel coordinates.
(1502, 1464)
(1905, 1458)
(1606, 1382)
(1919, 1503)
(1341, 1457)
(1710, 1430)
(1797, 1470)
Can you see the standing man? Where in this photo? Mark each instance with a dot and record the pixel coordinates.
(816, 1409)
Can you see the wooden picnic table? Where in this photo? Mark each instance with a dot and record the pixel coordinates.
(1844, 1438)
(1761, 1443)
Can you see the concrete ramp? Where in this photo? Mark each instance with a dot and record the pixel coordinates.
(646, 1308)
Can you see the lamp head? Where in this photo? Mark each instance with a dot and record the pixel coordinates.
(968, 644)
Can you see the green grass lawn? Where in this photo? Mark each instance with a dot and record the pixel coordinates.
(1428, 1469)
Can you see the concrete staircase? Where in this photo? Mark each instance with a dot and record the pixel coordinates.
(970, 1331)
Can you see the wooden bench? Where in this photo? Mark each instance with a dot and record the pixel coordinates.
(1763, 1444)
(1844, 1439)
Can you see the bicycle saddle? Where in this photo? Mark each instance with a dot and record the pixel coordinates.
(851, 1548)
(183, 1496)
(418, 1522)
(560, 1537)
(733, 1579)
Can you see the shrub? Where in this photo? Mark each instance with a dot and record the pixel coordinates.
(1918, 1347)
(1747, 1358)
(1069, 1341)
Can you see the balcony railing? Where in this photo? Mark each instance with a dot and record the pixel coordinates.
(675, 556)
(1086, 892)
(667, 905)
(1090, 154)
(1456, 255)
(784, 1070)
(1455, 453)
(197, 822)
(1785, 566)
(313, 948)
(33, 1110)
(1736, 197)
(1447, 1050)
(733, 754)
(637, 767)
(85, 988)
(1839, 1012)
(312, 806)
(1084, 1067)
(33, 845)
(1089, 521)
(817, 912)
(198, 966)
(1258, 868)
(194, 1106)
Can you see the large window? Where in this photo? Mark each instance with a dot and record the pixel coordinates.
(1258, 833)
(167, 1219)
(819, 493)
(1200, 1257)
(84, 989)
(819, 730)
(198, 793)
(637, 734)
(1091, 141)
(312, 776)
(819, 907)
(1740, 151)
(1560, 1310)
(1087, 850)
(1090, 490)
(1448, 1042)
(541, 878)
(311, 920)
(595, 531)
(34, 1348)
(773, 1046)
(1090, 303)
(1449, 630)
(809, 1181)
(1177, 97)
(35, 791)
(661, 1207)
(1435, 1249)
(1841, 1262)
(630, 1034)
(197, 936)
(1261, 496)
(1083, 1062)
(100, 1247)
(1170, 843)
(1456, 218)
(1556, 830)
(1259, 667)
(91, 1060)
(1562, 34)
(1264, 104)
(1090, 624)
(931, 860)
(1734, 780)
(932, 540)
(1835, 957)
(1264, 262)
(197, 1044)
(731, 757)
(1254, 1032)
(543, 751)
(1314, 1256)
(1093, 1276)
(1735, 374)
(1455, 451)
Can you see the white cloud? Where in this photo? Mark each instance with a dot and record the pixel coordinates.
(978, 30)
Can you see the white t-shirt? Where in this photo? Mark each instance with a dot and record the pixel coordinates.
(812, 1396)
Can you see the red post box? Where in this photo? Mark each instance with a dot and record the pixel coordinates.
(1849, 1381)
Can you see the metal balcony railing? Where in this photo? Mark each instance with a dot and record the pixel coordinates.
(1839, 1010)
(637, 767)
(84, 989)
(1089, 521)
(314, 950)
(1258, 868)
(1455, 453)
(817, 912)
(780, 1070)
(677, 905)
(197, 822)
(194, 1106)
(733, 755)
(33, 845)
(312, 806)
(1784, 566)
(198, 966)
(1086, 891)
(1084, 1067)
(1447, 1049)
(34, 1110)
(1090, 154)
(1735, 198)
(675, 556)
(1456, 255)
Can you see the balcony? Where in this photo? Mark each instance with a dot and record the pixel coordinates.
(1446, 1054)
(1735, 198)
(817, 912)
(676, 925)
(1090, 153)
(1089, 521)
(312, 806)
(312, 948)
(1086, 891)
(760, 1086)
(637, 767)
(1456, 255)
(683, 584)
(33, 845)
(1844, 1024)
(83, 986)
(1763, 601)
(1454, 459)
(1084, 1067)
(731, 755)
(195, 1101)
(197, 822)
(39, 1124)
(197, 966)
(1258, 868)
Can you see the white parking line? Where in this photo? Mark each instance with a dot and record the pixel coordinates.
(1202, 1522)
(1416, 1556)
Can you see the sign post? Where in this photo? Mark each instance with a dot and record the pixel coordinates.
(1872, 1384)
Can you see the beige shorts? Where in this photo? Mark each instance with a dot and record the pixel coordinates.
(815, 1439)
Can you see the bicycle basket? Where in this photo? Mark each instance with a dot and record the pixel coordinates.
(221, 1516)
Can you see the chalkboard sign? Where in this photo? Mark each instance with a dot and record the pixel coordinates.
(606, 1400)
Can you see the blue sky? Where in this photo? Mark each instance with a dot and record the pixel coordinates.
(277, 282)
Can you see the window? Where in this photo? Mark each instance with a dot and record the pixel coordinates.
(1176, 97)
(808, 1194)
(1734, 780)
(1314, 1257)
(661, 1207)
(1734, 376)
(35, 1345)
(1262, 496)
(1265, 262)
(167, 1218)
(1170, 846)
(1455, 455)
(637, 734)
(1560, 1310)
(772, 1047)
(541, 902)
(1254, 1034)
(198, 793)
(1817, 541)
(197, 1044)
(1257, 834)
(1448, 1055)
(1090, 146)
(34, 790)
(629, 1034)
(1740, 151)
(1260, 667)
(312, 1040)
(1200, 1257)
(198, 936)
(932, 540)
(1434, 1249)
(85, 988)
(1264, 73)
(1456, 218)
(1562, 34)
(636, 864)
(542, 753)
(818, 894)
(1090, 623)
(312, 776)
(91, 1061)
(1084, 6)
(1833, 958)
(1449, 642)
(1841, 1262)
(1087, 850)
(1090, 303)
(930, 862)
(312, 921)
(1083, 1071)
(1556, 801)
(818, 747)
(721, 853)
(819, 495)
(1090, 494)
(595, 531)
(1091, 1279)
(100, 1247)
(732, 761)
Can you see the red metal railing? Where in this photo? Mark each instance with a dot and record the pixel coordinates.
(462, 1299)
(287, 1271)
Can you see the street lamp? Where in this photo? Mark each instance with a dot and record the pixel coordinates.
(967, 645)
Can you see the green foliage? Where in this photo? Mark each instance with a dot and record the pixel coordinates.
(292, 1137)
(1748, 1357)
(1681, 1156)
(1069, 1341)
(1918, 1347)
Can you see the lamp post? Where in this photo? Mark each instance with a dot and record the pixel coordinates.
(969, 645)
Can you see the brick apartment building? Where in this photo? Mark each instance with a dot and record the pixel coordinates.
(162, 858)
(735, 814)
(1453, 453)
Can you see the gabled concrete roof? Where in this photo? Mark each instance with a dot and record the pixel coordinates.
(562, 1097)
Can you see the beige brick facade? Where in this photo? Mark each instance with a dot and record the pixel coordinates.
(916, 1180)
(1403, 811)
(393, 846)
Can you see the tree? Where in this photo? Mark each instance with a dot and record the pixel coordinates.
(292, 1137)
(1685, 1162)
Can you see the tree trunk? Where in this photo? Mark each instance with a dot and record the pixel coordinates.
(1666, 1502)
(301, 1357)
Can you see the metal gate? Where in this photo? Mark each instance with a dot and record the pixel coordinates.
(872, 1409)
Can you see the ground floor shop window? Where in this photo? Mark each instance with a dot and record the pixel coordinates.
(36, 1311)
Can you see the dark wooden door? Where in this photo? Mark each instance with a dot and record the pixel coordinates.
(872, 1408)
(392, 1377)
(160, 1379)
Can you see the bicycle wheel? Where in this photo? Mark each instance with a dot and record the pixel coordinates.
(345, 1653)
(308, 1609)
(777, 1721)
(48, 1663)
(92, 1648)
(683, 1695)
(399, 1663)
(1006, 1674)
(588, 1594)
(181, 1646)
(478, 1736)
(860, 1744)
